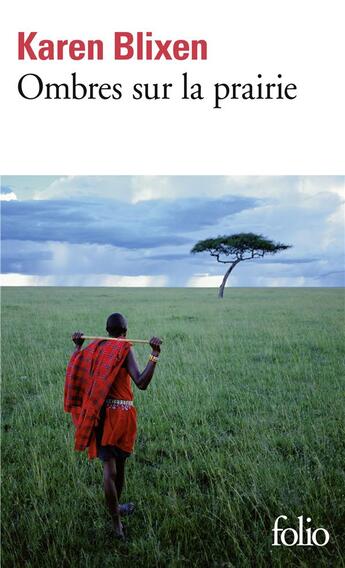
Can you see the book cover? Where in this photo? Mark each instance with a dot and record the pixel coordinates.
(172, 233)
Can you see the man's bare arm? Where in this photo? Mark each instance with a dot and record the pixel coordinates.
(142, 380)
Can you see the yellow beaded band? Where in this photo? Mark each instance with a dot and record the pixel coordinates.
(154, 359)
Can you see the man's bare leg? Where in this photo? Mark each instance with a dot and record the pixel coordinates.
(111, 496)
(120, 476)
(126, 508)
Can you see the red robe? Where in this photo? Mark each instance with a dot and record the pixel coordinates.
(89, 377)
(120, 424)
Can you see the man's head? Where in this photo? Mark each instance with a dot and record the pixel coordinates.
(116, 325)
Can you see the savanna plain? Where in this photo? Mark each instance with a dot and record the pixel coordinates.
(243, 422)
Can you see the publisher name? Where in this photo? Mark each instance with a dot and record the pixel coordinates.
(138, 46)
(303, 536)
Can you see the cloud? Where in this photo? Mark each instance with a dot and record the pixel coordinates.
(140, 225)
(25, 280)
(268, 260)
(106, 280)
(25, 257)
(333, 278)
(132, 189)
(205, 281)
(147, 188)
(64, 259)
(285, 188)
(6, 194)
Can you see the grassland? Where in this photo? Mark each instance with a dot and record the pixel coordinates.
(244, 421)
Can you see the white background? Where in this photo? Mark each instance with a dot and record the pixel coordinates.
(299, 39)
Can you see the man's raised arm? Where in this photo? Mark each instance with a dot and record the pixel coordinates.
(142, 380)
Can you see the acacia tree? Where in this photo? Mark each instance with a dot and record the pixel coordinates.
(232, 249)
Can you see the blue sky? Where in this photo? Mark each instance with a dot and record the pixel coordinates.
(139, 230)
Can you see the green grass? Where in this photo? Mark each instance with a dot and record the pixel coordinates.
(243, 421)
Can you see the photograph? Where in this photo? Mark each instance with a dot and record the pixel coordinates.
(173, 370)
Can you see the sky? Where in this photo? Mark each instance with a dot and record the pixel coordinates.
(139, 230)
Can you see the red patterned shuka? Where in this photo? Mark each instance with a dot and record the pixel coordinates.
(90, 375)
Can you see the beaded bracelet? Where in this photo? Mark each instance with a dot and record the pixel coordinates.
(154, 359)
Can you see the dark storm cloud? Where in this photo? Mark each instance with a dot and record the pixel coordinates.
(24, 257)
(29, 263)
(146, 224)
(168, 257)
(336, 277)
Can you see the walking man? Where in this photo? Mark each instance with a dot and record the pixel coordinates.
(99, 396)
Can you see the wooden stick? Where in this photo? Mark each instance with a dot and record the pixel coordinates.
(116, 339)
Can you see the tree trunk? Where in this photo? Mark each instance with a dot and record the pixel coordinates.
(226, 276)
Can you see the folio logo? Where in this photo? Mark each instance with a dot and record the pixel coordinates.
(318, 537)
